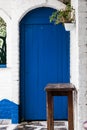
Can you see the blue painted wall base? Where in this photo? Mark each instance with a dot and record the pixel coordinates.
(9, 110)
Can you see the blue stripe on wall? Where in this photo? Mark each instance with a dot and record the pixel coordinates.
(9, 110)
(3, 66)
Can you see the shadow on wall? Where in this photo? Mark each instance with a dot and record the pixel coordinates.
(9, 110)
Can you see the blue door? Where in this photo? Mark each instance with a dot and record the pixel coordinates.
(44, 58)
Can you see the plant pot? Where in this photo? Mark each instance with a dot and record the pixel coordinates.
(69, 26)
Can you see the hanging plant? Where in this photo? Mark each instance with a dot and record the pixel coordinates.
(66, 15)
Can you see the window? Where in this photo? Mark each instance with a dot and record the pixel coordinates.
(2, 43)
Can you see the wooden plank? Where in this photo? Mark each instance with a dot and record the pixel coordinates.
(50, 123)
(60, 87)
(70, 111)
(59, 93)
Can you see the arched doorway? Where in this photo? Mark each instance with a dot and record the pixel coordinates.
(44, 58)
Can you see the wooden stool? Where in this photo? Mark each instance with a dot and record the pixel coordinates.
(65, 89)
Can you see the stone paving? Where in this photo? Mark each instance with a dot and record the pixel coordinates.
(40, 125)
(35, 125)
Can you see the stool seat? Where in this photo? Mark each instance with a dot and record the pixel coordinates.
(61, 89)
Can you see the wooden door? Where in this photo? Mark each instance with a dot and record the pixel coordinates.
(44, 49)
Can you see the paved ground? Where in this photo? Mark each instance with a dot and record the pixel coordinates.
(40, 125)
(36, 125)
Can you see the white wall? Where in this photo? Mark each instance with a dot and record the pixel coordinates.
(5, 73)
(82, 43)
(74, 64)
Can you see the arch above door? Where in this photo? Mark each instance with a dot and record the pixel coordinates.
(30, 5)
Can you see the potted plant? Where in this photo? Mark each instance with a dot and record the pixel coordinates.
(65, 16)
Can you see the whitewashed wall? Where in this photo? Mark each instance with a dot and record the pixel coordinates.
(74, 64)
(82, 43)
(12, 11)
(5, 73)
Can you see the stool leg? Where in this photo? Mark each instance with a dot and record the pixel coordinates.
(50, 123)
(70, 111)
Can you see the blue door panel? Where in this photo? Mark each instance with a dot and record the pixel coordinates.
(44, 59)
(38, 16)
